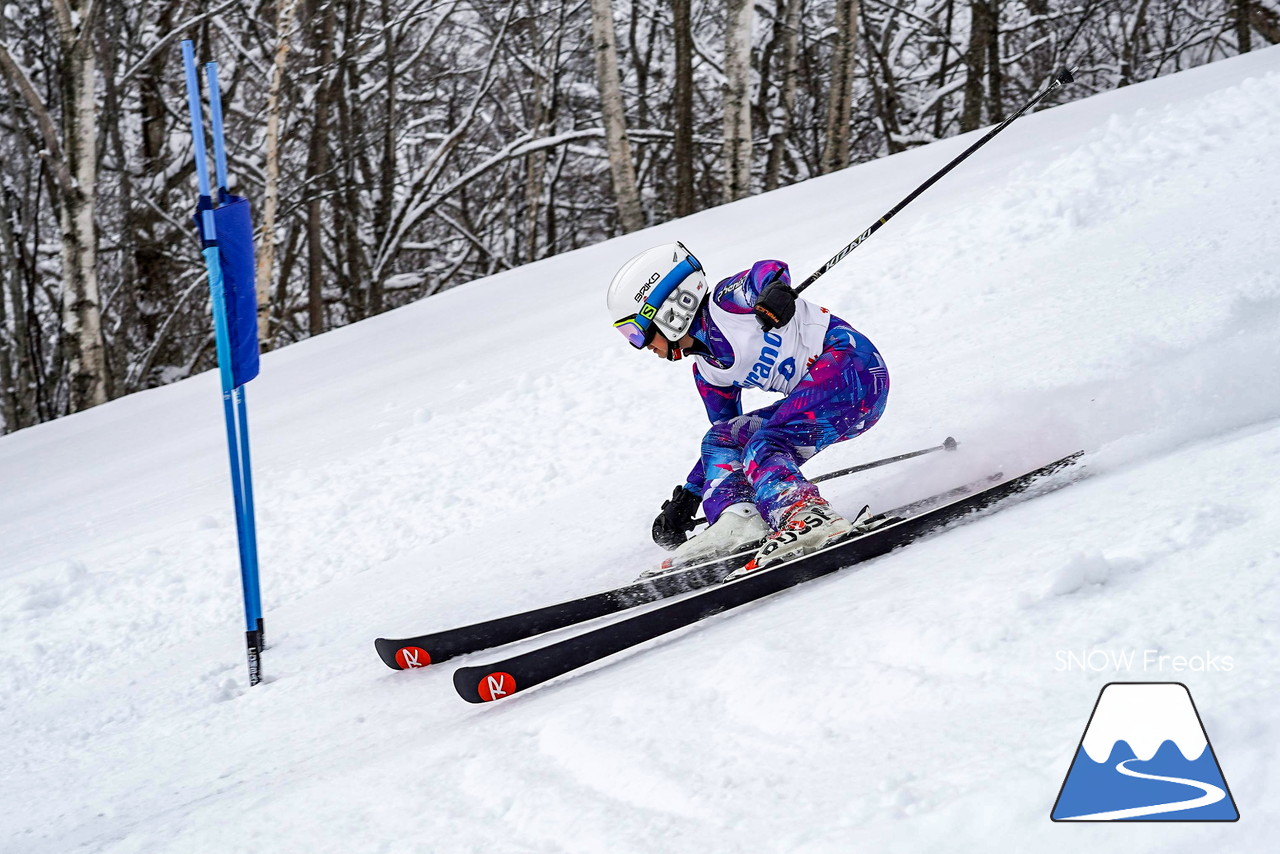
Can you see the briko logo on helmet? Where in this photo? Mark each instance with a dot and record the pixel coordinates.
(653, 280)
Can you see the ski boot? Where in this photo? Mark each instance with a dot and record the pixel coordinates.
(808, 525)
(739, 528)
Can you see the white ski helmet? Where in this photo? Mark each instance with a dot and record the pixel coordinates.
(659, 290)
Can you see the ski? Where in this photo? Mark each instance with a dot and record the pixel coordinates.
(433, 648)
(520, 672)
(409, 653)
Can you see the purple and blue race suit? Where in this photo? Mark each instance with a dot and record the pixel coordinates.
(834, 379)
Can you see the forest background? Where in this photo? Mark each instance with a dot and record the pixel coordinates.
(396, 148)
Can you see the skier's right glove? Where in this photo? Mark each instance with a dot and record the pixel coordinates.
(776, 306)
(674, 523)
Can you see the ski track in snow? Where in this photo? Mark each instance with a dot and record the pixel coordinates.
(1102, 275)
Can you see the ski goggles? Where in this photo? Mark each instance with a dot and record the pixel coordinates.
(640, 327)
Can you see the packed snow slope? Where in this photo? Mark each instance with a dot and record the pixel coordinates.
(1102, 275)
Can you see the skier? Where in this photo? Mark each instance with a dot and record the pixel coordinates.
(751, 331)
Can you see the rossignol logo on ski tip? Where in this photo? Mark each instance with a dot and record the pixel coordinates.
(409, 657)
(495, 686)
(1145, 756)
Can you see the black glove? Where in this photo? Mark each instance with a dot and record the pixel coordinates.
(674, 523)
(776, 306)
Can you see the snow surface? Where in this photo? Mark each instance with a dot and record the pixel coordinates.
(1102, 275)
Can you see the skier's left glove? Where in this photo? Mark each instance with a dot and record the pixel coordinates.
(776, 306)
(674, 523)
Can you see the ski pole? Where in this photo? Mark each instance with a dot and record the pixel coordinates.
(1061, 78)
(948, 444)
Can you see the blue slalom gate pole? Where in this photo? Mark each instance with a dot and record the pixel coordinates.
(250, 536)
(233, 399)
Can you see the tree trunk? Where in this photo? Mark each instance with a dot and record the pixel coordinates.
(835, 151)
(1265, 21)
(387, 160)
(85, 349)
(271, 193)
(737, 100)
(781, 120)
(995, 73)
(1240, 12)
(148, 263)
(682, 107)
(317, 173)
(885, 100)
(535, 161)
(621, 166)
(976, 59)
(940, 103)
(10, 390)
(1129, 50)
(20, 265)
(72, 159)
(352, 171)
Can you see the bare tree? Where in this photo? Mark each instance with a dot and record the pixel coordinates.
(682, 107)
(1133, 36)
(73, 158)
(780, 118)
(613, 111)
(266, 253)
(11, 391)
(322, 23)
(835, 150)
(737, 99)
(982, 40)
(1265, 19)
(1240, 16)
(406, 146)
